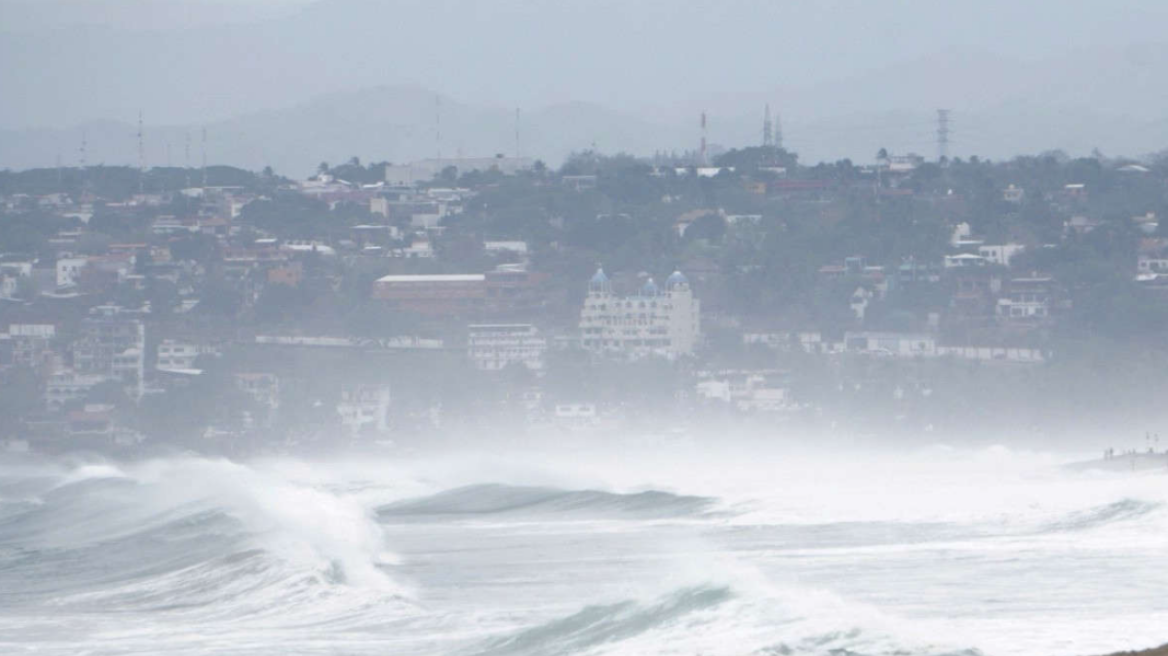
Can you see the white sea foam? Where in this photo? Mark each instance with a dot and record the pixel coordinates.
(938, 551)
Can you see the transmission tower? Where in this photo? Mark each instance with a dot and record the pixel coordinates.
(768, 135)
(141, 157)
(187, 158)
(204, 158)
(438, 125)
(702, 151)
(942, 134)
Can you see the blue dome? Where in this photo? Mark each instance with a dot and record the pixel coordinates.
(650, 288)
(676, 278)
(599, 282)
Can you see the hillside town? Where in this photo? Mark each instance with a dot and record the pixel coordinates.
(227, 311)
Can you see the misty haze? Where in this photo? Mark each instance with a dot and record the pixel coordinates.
(535, 328)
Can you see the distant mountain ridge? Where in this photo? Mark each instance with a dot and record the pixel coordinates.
(402, 123)
(393, 123)
(308, 81)
(1103, 99)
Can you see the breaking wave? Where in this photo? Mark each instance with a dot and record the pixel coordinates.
(494, 499)
(713, 620)
(1118, 511)
(202, 540)
(604, 624)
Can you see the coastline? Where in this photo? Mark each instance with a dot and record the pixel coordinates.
(1155, 651)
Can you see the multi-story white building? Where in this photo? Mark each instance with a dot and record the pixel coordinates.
(173, 354)
(1028, 300)
(492, 347)
(66, 386)
(1000, 254)
(655, 321)
(113, 347)
(891, 344)
(745, 390)
(263, 388)
(364, 408)
(68, 270)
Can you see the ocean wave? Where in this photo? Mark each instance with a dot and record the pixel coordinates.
(716, 620)
(495, 499)
(203, 539)
(595, 625)
(1119, 511)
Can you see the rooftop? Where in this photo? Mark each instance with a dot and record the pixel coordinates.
(452, 277)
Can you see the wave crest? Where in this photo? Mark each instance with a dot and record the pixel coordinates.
(1118, 511)
(493, 499)
(602, 624)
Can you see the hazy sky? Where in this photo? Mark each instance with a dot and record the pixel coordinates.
(1085, 62)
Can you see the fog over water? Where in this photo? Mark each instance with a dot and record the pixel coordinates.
(569, 351)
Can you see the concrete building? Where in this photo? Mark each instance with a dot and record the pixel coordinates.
(964, 260)
(364, 408)
(496, 293)
(379, 205)
(492, 347)
(746, 390)
(29, 345)
(436, 294)
(114, 347)
(173, 354)
(891, 344)
(68, 270)
(1000, 254)
(1152, 263)
(9, 284)
(501, 247)
(66, 386)
(808, 342)
(1027, 300)
(655, 321)
(263, 388)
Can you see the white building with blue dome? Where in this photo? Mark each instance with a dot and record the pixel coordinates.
(658, 320)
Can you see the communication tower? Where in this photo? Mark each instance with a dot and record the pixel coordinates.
(702, 151)
(768, 135)
(141, 157)
(942, 134)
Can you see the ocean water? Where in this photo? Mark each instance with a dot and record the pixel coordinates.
(932, 551)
